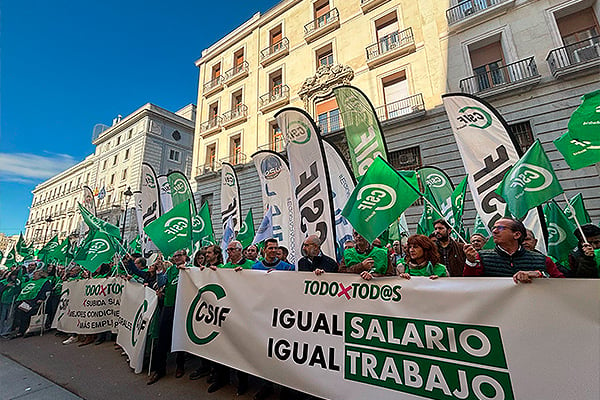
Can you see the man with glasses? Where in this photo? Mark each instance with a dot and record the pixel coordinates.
(509, 257)
(235, 259)
(313, 259)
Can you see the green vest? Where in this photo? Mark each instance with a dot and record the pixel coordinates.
(428, 270)
(379, 256)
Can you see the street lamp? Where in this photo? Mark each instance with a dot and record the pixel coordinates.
(127, 193)
(48, 220)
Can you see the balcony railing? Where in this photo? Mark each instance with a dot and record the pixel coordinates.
(274, 145)
(395, 41)
(212, 124)
(237, 72)
(206, 168)
(506, 76)
(468, 8)
(274, 51)
(330, 124)
(324, 24)
(213, 85)
(234, 159)
(278, 95)
(401, 108)
(237, 114)
(572, 57)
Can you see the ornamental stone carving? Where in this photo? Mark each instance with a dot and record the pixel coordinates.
(322, 83)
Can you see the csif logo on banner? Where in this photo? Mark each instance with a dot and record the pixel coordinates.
(176, 227)
(149, 180)
(532, 178)
(298, 132)
(229, 179)
(165, 188)
(179, 187)
(556, 234)
(139, 323)
(474, 117)
(63, 304)
(203, 316)
(435, 180)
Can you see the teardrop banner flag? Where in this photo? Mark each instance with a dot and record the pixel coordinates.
(230, 197)
(180, 189)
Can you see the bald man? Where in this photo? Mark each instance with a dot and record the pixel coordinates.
(313, 259)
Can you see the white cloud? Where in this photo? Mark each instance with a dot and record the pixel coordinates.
(26, 167)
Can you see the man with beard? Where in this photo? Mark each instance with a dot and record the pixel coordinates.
(452, 255)
(313, 258)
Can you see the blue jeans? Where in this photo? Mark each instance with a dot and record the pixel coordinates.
(6, 318)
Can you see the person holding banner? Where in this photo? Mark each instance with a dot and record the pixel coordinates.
(214, 257)
(529, 244)
(509, 257)
(581, 260)
(271, 262)
(235, 259)
(452, 254)
(313, 259)
(364, 257)
(11, 287)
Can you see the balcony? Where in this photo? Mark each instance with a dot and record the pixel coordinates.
(330, 124)
(206, 169)
(213, 86)
(235, 116)
(513, 76)
(407, 108)
(236, 73)
(235, 159)
(211, 126)
(277, 97)
(368, 5)
(471, 12)
(274, 52)
(321, 26)
(575, 58)
(391, 46)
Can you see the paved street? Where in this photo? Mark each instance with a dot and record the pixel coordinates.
(42, 368)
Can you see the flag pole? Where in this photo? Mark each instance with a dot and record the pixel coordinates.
(575, 218)
(440, 213)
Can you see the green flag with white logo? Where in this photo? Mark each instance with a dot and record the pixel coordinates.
(585, 120)
(11, 258)
(31, 289)
(96, 223)
(172, 231)
(44, 253)
(561, 239)
(134, 246)
(580, 212)
(98, 248)
(180, 189)
(425, 225)
(59, 254)
(23, 250)
(579, 153)
(530, 182)
(458, 202)
(202, 228)
(378, 200)
(246, 233)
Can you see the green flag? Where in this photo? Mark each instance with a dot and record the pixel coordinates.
(561, 239)
(172, 231)
(583, 217)
(22, 249)
(585, 121)
(246, 233)
(530, 182)
(96, 223)
(378, 200)
(31, 289)
(59, 254)
(458, 202)
(44, 253)
(11, 258)
(425, 225)
(202, 228)
(180, 189)
(135, 245)
(578, 153)
(98, 248)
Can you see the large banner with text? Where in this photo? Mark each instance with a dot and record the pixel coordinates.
(89, 306)
(340, 337)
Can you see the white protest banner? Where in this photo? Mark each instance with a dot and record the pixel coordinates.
(230, 197)
(89, 306)
(340, 337)
(138, 304)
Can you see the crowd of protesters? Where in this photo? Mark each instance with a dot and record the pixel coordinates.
(24, 289)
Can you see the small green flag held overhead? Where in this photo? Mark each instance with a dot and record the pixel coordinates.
(530, 182)
(23, 250)
(246, 233)
(585, 121)
(202, 228)
(59, 254)
(135, 245)
(11, 258)
(458, 202)
(172, 231)
(48, 249)
(583, 217)
(96, 223)
(561, 239)
(378, 200)
(425, 225)
(98, 248)
(579, 153)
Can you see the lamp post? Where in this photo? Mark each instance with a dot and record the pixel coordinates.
(48, 220)
(127, 193)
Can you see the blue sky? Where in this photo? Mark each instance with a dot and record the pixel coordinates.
(66, 66)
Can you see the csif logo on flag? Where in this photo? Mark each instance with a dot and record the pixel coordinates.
(205, 316)
(27, 288)
(298, 132)
(179, 187)
(165, 188)
(99, 246)
(435, 180)
(556, 234)
(197, 224)
(475, 117)
(139, 323)
(376, 195)
(243, 229)
(229, 179)
(176, 227)
(532, 178)
(149, 180)
(52, 246)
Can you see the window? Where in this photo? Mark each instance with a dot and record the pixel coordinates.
(328, 115)
(118, 141)
(275, 37)
(236, 100)
(276, 137)
(238, 61)
(275, 83)
(124, 176)
(324, 56)
(235, 150)
(115, 159)
(213, 110)
(487, 61)
(174, 155)
(523, 133)
(211, 154)
(130, 134)
(108, 198)
(578, 26)
(321, 12)
(104, 165)
(406, 159)
(387, 32)
(112, 179)
(395, 88)
(126, 156)
(216, 71)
